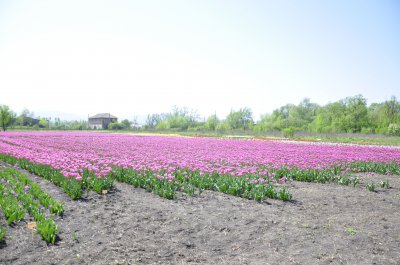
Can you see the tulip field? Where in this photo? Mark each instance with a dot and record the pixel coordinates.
(102, 198)
(167, 166)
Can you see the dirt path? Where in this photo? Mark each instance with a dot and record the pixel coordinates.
(327, 224)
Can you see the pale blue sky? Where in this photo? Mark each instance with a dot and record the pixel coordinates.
(137, 57)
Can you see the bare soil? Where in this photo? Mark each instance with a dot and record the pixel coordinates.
(325, 224)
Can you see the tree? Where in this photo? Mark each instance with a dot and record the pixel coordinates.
(241, 119)
(377, 117)
(43, 123)
(135, 123)
(126, 124)
(263, 124)
(7, 117)
(356, 113)
(302, 115)
(178, 119)
(178, 122)
(212, 122)
(153, 120)
(381, 115)
(25, 119)
(182, 118)
(392, 110)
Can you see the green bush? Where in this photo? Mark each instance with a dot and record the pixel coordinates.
(367, 130)
(222, 127)
(381, 130)
(116, 126)
(394, 129)
(163, 125)
(288, 132)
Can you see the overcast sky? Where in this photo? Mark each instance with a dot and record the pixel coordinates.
(138, 57)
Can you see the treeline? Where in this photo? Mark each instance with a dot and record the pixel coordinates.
(27, 120)
(349, 115)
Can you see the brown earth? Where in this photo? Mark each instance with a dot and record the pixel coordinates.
(326, 224)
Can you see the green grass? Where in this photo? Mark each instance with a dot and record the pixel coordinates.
(192, 182)
(363, 140)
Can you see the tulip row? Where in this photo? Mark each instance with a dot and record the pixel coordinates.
(19, 195)
(161, 183)
(337, 172)
(18, 180)
(74, 188)
(167, 184)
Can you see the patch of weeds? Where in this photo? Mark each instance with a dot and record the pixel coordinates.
(74, 237)
(351, 231)
(284, 195)
(385, 184)
(2, 233)
(370, 186)
(355, 181)
(344, 180)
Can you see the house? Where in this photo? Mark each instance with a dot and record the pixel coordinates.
(101, 121)
(29, 121)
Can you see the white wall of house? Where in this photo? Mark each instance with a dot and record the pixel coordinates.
(95, 126)
(99, 122)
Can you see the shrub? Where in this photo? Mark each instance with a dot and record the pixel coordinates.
(394, 129)
(222, 127)
(288, 132)
(381, 130)
(116, 126)
(367, 130)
